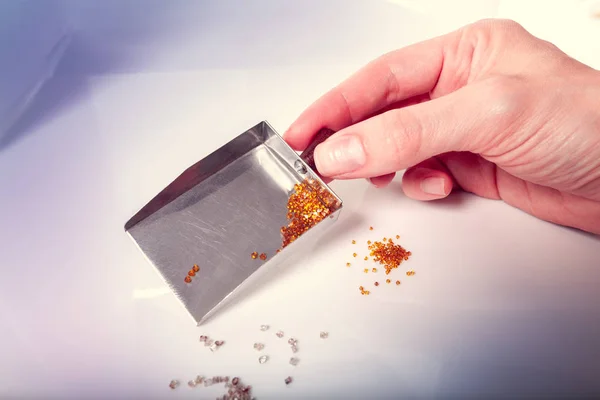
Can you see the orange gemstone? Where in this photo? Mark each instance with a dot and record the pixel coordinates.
(387, 281)
(263, 256)
(188, 279)
(254, 255)
(397, 282)
(354, 255)
(366, 270)
(370, 228)
(191, 272)
(196, 268)
(354, 242)
(376, 283)
(347, 264)
(374, 269)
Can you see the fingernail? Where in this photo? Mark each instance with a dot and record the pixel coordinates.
(433, 186)
(339, 155)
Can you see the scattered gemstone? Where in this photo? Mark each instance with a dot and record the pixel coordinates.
(279, 334)
(208, 342)
(370, 228)
(213, 347)
(235, 381)
(288, 380)
(387, 281)
(294, 361)
(203, 338)
(196, 268)
(219, 343)
(292, 341)
(410, 273)
(263, 256)
(354, 242)
(374, 270)
(187, 279)
(192, 383)
(259, 346)
(264, 327)
(254, 255)
(174, 384)
(397, 282)
(294, 348)
(347, 264)
(208, 382)
(376, 283)
(324, 335)
(199, 380)
(263, 359)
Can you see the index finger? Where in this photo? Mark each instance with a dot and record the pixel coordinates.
(393, 77)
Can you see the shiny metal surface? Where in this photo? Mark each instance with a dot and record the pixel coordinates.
(219, 211)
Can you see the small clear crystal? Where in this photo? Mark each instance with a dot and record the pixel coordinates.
(203, 338)
(208, 342)
(219, 343)
(292, 341)
(214, 347)
(324, 335)
(259, 346)
(264, 327)
(263, 359)
(174, 384)
(288, 380)
(208, 382)
(192, 383)
(279, 334)
(294, 361)
(198, 380)
(294, 349)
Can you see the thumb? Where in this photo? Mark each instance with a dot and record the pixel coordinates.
(465, 120)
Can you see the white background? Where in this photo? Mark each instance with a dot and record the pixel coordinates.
(501, 303)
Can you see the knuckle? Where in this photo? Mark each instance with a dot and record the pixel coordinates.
(402, 132)
(508, 101)
(492, 26)
(492, 32)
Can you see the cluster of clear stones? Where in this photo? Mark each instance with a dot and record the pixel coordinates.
(214, 345)
(259, 346)
(235, 389)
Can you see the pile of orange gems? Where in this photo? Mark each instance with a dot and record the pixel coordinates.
(307, 205)
(363, 291)
(191, 273)
(388, 254)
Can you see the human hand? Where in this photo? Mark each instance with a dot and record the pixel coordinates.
(489, 109)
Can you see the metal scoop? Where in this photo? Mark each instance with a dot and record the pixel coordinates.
(220, 211)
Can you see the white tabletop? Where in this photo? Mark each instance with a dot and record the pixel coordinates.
(501, 303)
